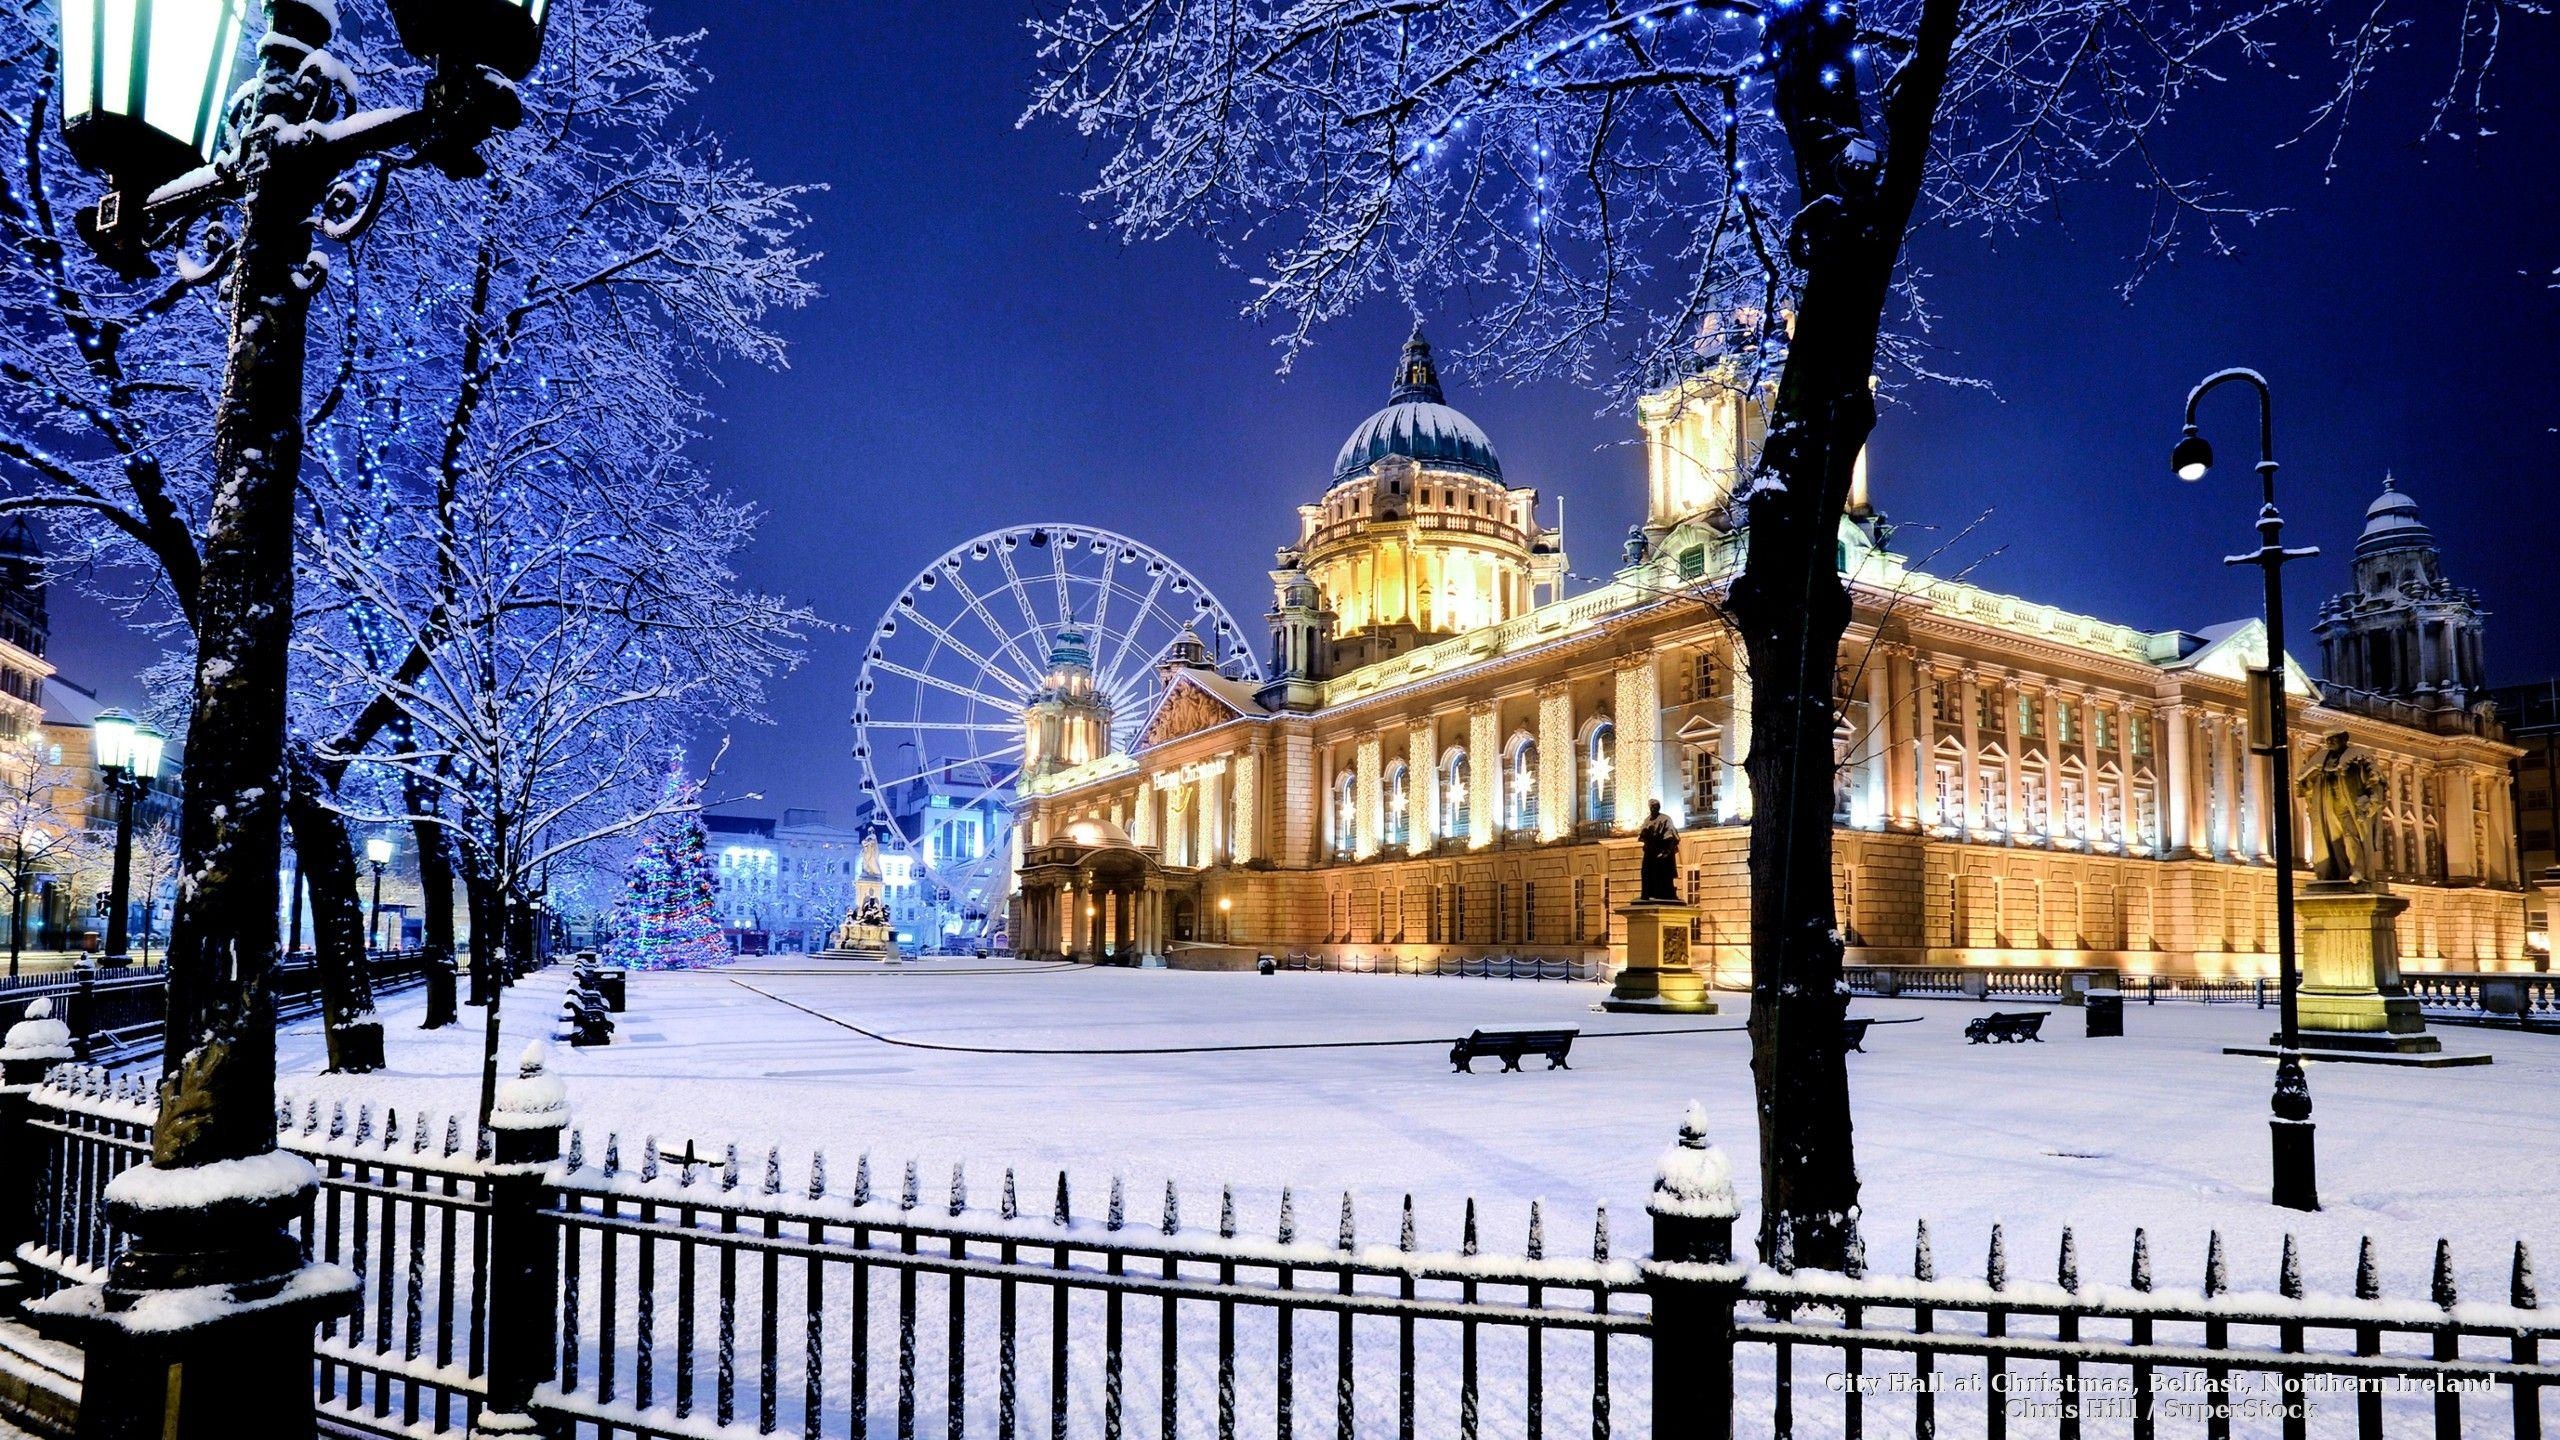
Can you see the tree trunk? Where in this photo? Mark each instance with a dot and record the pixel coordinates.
(435, 887)
(328, 862)
(480, 903)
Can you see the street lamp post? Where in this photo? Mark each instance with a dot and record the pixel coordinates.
(377, 851)
(2296, 1169)
(127, 753)
(148, 101)
(1226, 919)
(30, 838)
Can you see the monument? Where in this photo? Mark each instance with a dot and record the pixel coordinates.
(1658, 977)
(864, 935)
(2351, 996)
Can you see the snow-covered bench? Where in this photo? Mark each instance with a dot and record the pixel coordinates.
(2007, 1028)
(1853, 1033)
(1510, 1044)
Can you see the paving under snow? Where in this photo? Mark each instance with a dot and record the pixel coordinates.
(2158, 1129)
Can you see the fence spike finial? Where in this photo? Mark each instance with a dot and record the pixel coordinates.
(612, 1153)
(1404, 1232)
(862, 1178)
(311, 1119)
(1600, 1232)
(2442, 1290)
(364, 1124)
(2066, 1270)
(2141, 1258)
(910, 1190)
(284, 1114)
(2520, 1290)
(1172, 1211)
(2217, 1276)
(648, 1158)
(2368, 1271)
(729, 1168)
(1467, 1244)
(577, 1149)
(773, 1170)
(1288, 1217)
(1116, 1213)
(1345, 1233)
(452, 1136)
(1995, 1267)
(390, 1127)
(1226, 1212)
(1059, 1214)
(1854, 1263)
(817, 1174)
(420, 1133)
(1010, 1205)
(2289, 1270)
(1924, 1261)
(959, 1189)
(1537, 1249)
(337, 1119)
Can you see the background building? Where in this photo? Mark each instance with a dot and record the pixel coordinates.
(2531, 714)
(786, 884)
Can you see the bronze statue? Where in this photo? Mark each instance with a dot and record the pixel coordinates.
(1658, 882)
(2341, 791)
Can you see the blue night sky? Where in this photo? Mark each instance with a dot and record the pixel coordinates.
(985, 355)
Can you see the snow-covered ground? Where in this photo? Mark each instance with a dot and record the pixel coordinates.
(1116, 1071)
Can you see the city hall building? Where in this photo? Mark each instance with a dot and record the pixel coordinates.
(1450, 757)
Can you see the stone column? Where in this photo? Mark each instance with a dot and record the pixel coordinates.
(1422, 789)
(2009, 767)
(2460, 861)
(1638, 716)
(1366, 802)
(1924, 745)
(2253, 795)
(1559, 763)
(1968, 780)
(1243, 839)
(1484, 776)
(1879, 752)
(1733, 788)
(2093, 820)
(2177, 776)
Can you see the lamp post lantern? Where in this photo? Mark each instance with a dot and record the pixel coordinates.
(288, 161)
(2296, 1181)
(127, 753)
(1226, 919)
(377, 852)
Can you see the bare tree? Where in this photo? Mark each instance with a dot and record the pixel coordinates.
(1633, 187)
(41, 819)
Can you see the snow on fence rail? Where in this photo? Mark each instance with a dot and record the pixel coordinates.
(683, 1297)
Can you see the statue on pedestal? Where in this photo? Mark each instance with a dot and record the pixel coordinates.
(2341, 791)
(1658, 881)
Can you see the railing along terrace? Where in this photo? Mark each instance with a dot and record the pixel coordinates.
(2517, 999)
(1491, 967)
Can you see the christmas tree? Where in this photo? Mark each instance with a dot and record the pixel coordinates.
(669, 918)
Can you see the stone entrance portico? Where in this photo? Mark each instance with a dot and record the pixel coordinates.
(1095, 896)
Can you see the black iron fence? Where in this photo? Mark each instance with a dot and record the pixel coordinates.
(679, 1296)
(118, 1015)
(2528, 1000)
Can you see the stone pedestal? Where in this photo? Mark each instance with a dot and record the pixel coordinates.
(2351, 997)
(1657, 977)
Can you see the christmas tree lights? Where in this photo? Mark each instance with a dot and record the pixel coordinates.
(669, 918)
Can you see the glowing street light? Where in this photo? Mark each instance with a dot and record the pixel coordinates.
(378, 852)
(127, 752)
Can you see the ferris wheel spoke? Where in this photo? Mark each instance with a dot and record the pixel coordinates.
(926, 677)
(1021, 592)
(1021, 691)
(997, 727)
(1058, 574)
(1102, 601)
(1129, 637)
(950, 766)
(1031, 668)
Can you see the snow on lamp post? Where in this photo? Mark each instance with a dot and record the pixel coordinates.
(377, 853)
(251, 180)
(2296, 1184)
(127, 753)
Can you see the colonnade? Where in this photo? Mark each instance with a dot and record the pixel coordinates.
(1096, 920)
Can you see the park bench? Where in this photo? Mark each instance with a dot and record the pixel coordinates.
(1510, 1045)
(583, 1018)
(1853, 1033)
(2006, 1029)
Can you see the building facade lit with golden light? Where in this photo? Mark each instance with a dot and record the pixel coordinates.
(1450, 757)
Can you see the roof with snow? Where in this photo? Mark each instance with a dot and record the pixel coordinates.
(1419, 424)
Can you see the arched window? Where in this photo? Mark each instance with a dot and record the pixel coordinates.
(1520, 785)
(1599, 774)
(1345, 812)
(1454, 795)
(1399, 803)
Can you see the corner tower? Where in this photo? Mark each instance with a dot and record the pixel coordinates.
(2404, 632)
(1069, 722)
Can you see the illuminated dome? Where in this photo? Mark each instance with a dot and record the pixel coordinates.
(2391, 522)
(1418, 424)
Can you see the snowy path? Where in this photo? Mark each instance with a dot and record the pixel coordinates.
(2159, 1129)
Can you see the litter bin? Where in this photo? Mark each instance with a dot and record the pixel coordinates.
(1267, 965)
(2105, 1009)
(609, 984)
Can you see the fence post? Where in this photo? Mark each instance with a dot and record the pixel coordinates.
(523, 1303)
(1693, 1284)
(34, 1046)
(81, 1012)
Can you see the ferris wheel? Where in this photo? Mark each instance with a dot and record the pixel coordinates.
(965, 647)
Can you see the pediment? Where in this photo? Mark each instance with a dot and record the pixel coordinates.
(1188, 707)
